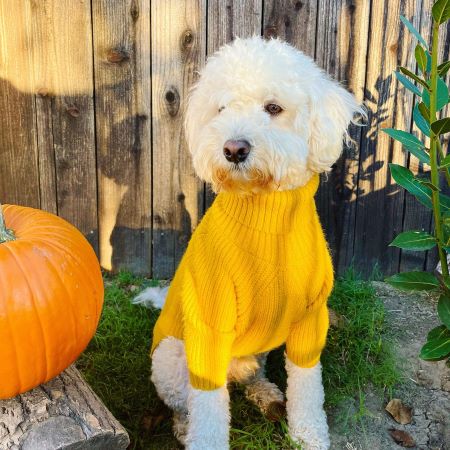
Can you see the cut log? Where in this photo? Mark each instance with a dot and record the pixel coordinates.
(62, 414)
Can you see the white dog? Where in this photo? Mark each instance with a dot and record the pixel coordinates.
(261, 123)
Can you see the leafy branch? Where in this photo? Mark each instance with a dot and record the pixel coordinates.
(432, 96)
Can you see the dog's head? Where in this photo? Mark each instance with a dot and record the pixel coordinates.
(263, 117)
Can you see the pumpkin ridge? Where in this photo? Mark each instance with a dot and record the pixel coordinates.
(19, 265)
(76, 258)
(13, 338)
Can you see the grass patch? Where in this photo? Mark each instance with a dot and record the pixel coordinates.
(117, 366)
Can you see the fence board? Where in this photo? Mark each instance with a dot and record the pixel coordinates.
(123, 124)
(178, 49)
(293, 21)
(341, 52)
(416, 216)
(19, 179)
(380, 203)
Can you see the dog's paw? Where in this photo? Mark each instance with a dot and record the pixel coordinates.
(311, 438)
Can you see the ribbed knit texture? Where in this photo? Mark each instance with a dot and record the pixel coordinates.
(256, 273)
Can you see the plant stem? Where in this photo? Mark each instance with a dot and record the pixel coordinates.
(5, 234)
(433, 153)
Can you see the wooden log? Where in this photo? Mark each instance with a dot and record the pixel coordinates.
(62, 414)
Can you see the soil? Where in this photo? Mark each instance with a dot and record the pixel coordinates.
(426, 385)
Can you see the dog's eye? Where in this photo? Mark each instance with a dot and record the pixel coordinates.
(273, 109)
(221, 109)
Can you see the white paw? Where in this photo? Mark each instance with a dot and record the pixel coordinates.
(311, 438)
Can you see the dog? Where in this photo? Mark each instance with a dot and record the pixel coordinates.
(262, 122)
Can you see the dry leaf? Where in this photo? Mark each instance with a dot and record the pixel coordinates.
(336, 320)
(400, 412)
(402, 438)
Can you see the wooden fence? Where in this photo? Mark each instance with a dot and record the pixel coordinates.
(91, 100)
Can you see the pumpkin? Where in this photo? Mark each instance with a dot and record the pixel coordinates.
(51, 297)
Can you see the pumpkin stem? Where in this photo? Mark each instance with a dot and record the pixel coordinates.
(5, 234)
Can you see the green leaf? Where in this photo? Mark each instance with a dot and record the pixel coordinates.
(444, 309)
(443, 68)
(428, 184)
(409, 141)
(408, 85)
(414, 281)
(441, 11)
(441, 126)
(420, 121)
(442, 95)
(438, 347)
(411, 28)
(428, 61)
(421, 58)
(414, 77)
(414, 240)
(405, 178)
(445, 162)
(424, 111)
(436, 332)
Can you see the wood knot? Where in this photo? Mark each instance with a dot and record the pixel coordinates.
(394, 47)
(351, 8)
(298, 6)
(117, 56)
(73, 111)
(134, 11)
(181, 197)
(158, 219)
(271, 32)
(187, 39)
(172, 98)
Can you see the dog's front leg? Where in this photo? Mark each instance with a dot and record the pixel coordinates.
(209, 419)
(305, 396)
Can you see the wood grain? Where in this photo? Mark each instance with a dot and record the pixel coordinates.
(178, 50)
(63, 413)
(121, 33)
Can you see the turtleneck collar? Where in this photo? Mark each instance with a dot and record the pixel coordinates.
(271, 212)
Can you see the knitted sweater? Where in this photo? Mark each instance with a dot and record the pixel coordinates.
(256, 274)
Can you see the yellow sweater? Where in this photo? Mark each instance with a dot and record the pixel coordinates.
(256, 274)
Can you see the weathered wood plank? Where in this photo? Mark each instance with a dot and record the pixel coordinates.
(178, 50)
(379, 215)
(416, 216)
(341, 50)
(61, 58)
(19, 177)
(293, 21)
(123, 125)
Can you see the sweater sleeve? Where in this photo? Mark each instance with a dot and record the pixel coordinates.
(209, 314)
(307, 337)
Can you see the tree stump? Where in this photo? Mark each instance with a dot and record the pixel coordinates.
(62, 414)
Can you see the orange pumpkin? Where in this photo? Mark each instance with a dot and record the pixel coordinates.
(51, 297)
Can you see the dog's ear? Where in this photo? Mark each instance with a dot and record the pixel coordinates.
(332, 108)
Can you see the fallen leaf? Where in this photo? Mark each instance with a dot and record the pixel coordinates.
(400, 412)
(402, 438)
(336, 320)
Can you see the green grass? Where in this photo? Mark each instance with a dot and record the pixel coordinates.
(117, 366)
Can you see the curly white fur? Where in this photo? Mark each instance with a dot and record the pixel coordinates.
(305, 396)
(228, 103)
(209, 419)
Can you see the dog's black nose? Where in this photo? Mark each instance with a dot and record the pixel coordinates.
(236, 151)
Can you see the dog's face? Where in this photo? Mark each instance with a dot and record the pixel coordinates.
(264, 117)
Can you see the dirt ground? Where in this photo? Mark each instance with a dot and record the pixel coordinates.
(426, 387)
